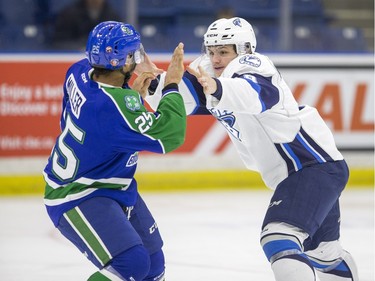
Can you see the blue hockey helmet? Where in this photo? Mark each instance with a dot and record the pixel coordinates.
(110, 43)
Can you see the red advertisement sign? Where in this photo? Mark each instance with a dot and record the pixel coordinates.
(30, 105)
(31, 91)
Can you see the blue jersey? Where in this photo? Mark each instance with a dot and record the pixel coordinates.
(103, 128)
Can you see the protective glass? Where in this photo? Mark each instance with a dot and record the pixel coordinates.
(139, 55)
(136, 56)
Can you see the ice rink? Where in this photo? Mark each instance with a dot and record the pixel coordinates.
(209, 236)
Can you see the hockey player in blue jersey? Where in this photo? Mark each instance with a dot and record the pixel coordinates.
(91, 193)
(288, 144)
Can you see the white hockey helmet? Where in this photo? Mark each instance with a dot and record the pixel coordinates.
(235, 31)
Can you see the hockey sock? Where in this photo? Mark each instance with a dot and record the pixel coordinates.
(282, 245)
(287, 261)
(157, 268)
(293, 268)
(333, 263)
(99, 276)
(131, 265)
(341, 269)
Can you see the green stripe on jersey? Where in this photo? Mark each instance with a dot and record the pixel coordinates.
(76, 188)
(170, 124)
(88, 235)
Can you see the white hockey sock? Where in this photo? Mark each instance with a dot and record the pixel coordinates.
(287, 269)
(332, 263)
(346, 270)
(329, 277)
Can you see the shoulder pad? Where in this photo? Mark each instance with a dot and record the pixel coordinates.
(250, 63)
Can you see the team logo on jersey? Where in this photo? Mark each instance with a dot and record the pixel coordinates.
(228, 120)
(251, 60)
(237, 22)
(132, 103)
(133, 159)
(108, 49)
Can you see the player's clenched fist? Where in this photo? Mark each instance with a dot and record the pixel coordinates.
(175, 69)
(142, 82)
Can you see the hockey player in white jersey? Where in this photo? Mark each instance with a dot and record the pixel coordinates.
(288, 144)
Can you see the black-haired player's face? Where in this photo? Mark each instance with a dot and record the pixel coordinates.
(220, 57)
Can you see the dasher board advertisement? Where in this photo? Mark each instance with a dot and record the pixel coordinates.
(340, 87)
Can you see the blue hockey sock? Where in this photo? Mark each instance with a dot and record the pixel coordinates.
(157, 268)
(133, 264)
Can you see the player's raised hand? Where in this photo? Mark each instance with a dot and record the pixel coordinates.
(142, 82)
(176, 68)
(147, 66)
(208, 83)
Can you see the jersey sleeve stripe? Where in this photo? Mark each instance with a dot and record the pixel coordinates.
(193, 92)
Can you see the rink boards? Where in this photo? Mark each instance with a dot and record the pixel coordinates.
(180, 181)
(341, 87)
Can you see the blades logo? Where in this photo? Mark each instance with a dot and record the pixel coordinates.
(237, 22)
(250, 60)
(228, 120)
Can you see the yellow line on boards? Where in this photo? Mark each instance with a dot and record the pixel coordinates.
(178, 181)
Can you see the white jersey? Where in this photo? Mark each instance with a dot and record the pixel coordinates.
(271, 132)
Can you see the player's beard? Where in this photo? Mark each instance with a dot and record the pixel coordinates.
(128, 74)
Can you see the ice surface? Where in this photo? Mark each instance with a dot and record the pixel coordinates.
(210, 236)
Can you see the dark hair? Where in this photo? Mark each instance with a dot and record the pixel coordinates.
(101, 71)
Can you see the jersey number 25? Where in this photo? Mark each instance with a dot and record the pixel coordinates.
(67, 170)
